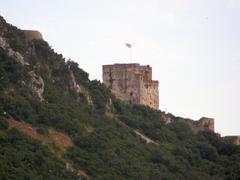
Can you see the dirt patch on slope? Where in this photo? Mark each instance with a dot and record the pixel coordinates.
(55, 140)
(62, 140)
(53, 137)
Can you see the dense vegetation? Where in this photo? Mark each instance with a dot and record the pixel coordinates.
(22, 158)
(102, 130)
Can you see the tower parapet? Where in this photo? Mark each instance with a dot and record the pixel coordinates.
(32, 34)
(132, 83)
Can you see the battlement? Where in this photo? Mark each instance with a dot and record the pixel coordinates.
(117, 65)
(132, 83)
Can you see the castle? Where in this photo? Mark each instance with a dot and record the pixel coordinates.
(132, 83)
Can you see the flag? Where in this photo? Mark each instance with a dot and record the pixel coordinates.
(128, 45)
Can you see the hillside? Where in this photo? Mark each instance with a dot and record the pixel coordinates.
(57, 124)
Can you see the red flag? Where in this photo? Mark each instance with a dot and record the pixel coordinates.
(128, 45)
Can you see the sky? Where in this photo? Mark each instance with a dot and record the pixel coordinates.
(193, 46)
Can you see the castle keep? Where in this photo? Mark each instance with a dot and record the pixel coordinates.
(132, 83)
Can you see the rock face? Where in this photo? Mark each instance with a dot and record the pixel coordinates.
(78, 88)
(10, 52)
(73, 84)
(132, 83)
(31, 34)
(232, 139)
(37, 85)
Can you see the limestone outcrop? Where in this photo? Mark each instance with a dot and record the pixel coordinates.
(37, 85)
(78, 88)
(10, 52)
(73, 84)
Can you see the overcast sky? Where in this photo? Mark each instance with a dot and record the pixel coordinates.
(192, 45)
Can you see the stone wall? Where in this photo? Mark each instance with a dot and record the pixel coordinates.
(132, 83)
(31, 34)
(149, 94)
(203, 124)
(232, 139)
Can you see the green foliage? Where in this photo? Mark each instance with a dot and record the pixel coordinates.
(106, 148)
(15, 36)
(207, 151)
(18, 107)
(100, 95)
(11, 72)
(3, 123)
(80, 75)
(23, 158)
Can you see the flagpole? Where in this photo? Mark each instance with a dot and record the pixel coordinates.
(131, 54)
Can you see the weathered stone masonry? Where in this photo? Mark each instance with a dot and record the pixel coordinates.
(132, 83)
(32, 34)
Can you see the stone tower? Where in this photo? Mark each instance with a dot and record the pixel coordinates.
(32, 34)
(132, 83)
